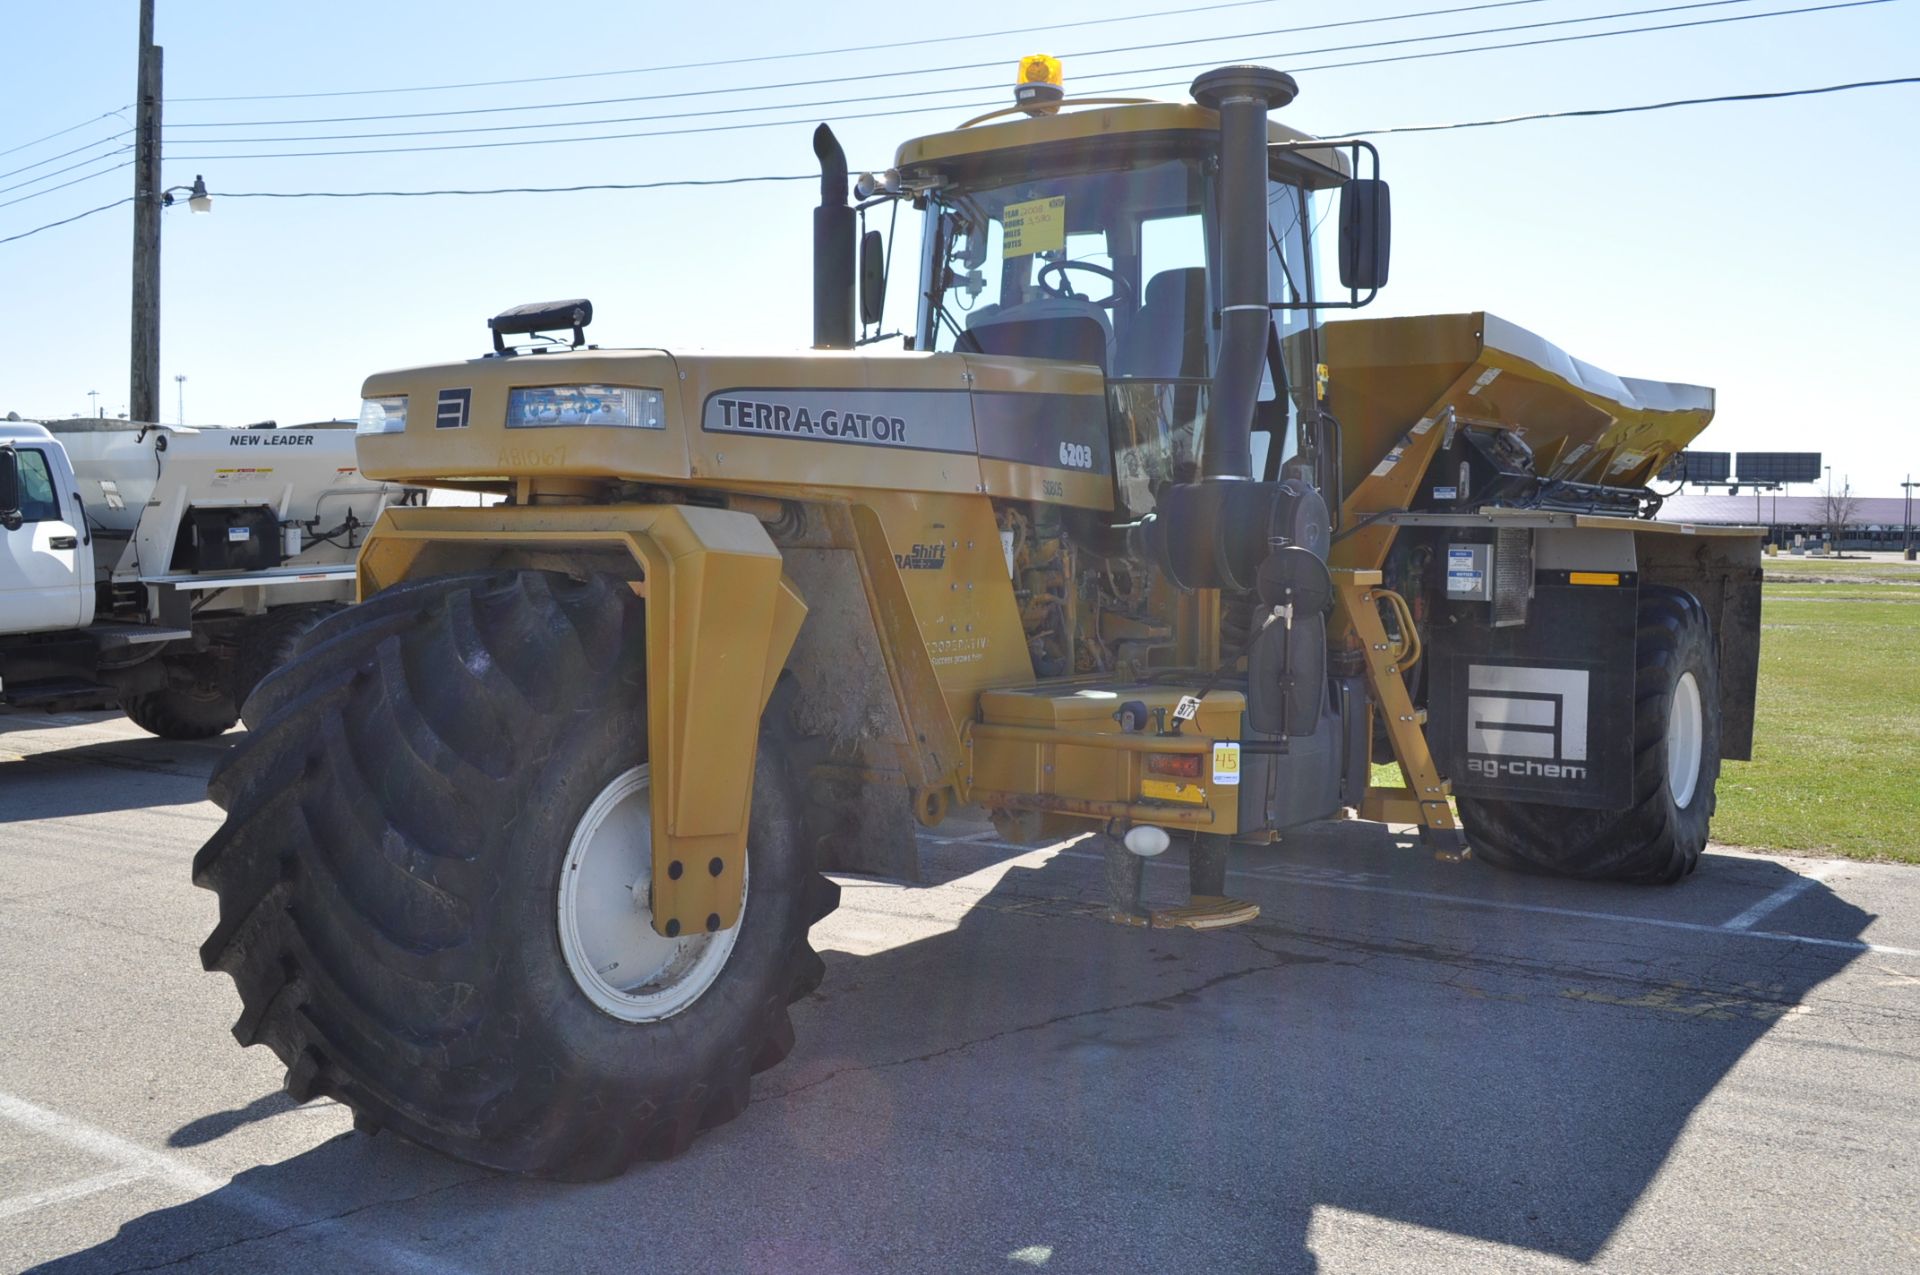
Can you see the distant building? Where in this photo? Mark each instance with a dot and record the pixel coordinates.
(1876, 522)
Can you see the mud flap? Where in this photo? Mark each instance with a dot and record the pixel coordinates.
(1543, 711)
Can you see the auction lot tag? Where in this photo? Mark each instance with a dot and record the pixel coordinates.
(1035, 225)
(1185, 710)
(1226, 763)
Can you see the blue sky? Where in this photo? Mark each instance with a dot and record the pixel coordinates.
(1762, 249)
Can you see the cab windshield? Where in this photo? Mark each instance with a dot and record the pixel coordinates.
(1108, 268)
(1117, 266)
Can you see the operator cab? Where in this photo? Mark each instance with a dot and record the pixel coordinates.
(1092, 237)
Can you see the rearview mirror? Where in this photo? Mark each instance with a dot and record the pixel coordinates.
(9, 489)
(873, 278)
(1366, 233)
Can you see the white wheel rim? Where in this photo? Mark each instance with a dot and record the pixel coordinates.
(606, 924)
(1684, 740)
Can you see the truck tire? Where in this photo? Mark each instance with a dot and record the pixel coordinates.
(1676, 737)
(270, 641)
(199, 710)
(407, 826)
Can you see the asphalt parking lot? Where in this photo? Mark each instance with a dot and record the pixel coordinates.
(1403, 1065)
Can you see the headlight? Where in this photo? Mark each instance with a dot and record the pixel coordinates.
(586, 405)
(383, 415)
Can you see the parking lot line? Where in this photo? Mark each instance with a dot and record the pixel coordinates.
(1778, 899)
(136, 1162)
(15, 1205)
(1581, 914)
(108, 1146)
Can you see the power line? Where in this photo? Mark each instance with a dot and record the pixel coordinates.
(86, 177)
(884, 75)
(27, 234)
(63, 132)
(69, 168)
(923, 93)
(1769, 95)
(921, 110)
(1628, 110)
(737, 181)
(782, 57)
(620, 119)
(509, 190)
(99, 141)
(1591, 35)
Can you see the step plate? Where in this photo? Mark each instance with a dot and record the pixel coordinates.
(1206, 912)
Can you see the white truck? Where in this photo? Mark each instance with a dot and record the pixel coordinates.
(169, 569)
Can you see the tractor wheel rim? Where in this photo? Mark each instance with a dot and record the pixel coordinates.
(617, 959)
(1685, 737)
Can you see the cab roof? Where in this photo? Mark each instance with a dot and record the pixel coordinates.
(1095, 118)
(24, 432)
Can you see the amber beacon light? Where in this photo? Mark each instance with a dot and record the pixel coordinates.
(1039, 85)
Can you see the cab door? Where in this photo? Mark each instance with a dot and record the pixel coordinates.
(46, 567)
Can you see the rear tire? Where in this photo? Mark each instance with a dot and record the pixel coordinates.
(270, 641)
(390, 873)
(199, 710)
(1659, 838)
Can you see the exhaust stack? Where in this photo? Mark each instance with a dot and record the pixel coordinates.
(1242, 95)
(833, 228)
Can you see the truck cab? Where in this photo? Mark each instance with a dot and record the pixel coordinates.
(46, 548)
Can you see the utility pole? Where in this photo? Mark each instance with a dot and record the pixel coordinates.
(1906, 489)
(143, 397)
(180, 401)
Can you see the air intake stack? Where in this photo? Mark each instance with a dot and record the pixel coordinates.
(1242, 95)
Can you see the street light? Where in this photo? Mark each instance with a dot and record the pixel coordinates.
(197, 197)
(180, 400)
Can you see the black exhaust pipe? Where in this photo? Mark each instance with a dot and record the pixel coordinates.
(833, 273)
(1242, 95)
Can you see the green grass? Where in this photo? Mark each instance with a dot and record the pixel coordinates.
(1836, 755)
(1785, 568)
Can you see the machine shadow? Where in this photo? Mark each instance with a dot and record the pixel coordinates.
(1036, 1077)
(1219, 1088)
(108, 775)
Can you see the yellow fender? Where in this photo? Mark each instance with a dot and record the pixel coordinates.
(721, 619)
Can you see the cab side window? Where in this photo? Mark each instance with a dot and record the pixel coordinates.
(37, 500)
